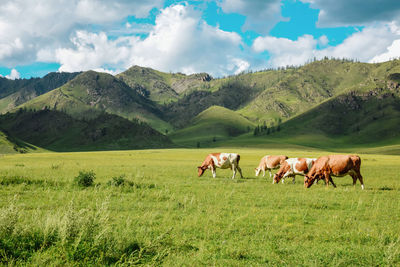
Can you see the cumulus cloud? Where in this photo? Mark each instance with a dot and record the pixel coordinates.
(355, 12)
(286, 52)
(13, 75)
(393, 51)
(261, 15)
(92, 51)
(27, 26)
(364, 45)
(179, 41)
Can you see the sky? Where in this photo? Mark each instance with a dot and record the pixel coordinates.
(220, 37)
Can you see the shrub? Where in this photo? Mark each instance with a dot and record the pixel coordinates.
(85, 178)
(117, 181)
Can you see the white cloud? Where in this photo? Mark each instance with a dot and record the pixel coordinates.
(370, 44)
(286, 52)
(92, 51)
(28, 26)
(355, 12)
(180, 41)
(323, 40)
(363, 45)
(261, 15)
(13, 75)
(392, 52)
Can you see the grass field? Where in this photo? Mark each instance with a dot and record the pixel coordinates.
(165, 215)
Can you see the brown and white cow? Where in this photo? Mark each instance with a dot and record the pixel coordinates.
(270, 163)
(221, 160)
(292, 167)
(334, 165)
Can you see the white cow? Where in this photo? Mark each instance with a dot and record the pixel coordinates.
(270, 163)
(220, 160)
(292, 167)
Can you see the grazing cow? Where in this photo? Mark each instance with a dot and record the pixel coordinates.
(270, 163)
(292, 167)
(221, 160)
(334, 165)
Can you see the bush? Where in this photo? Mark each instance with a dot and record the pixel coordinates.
(117, 181)
(85, 178)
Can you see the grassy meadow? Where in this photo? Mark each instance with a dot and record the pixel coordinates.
(149, 207)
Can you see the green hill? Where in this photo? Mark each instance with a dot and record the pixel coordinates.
(289, 92)
(17, 92)
(214, 124)
(58, 131)
(362, 118)
(11, 145)
(92, 93)
(160, 86)
(231, 93)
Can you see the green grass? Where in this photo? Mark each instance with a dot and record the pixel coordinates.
(163, 214)
(214, 124)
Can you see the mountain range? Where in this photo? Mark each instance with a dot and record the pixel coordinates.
(326, 103)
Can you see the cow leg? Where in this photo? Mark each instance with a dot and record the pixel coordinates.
(294, 179)
(214, 174)
(240, 171)
(354, 179)
(270, 173)
(330, 179)
(361, 180)
(327, 177)
(233, 170)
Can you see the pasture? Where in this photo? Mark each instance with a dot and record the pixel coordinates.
(149, 207)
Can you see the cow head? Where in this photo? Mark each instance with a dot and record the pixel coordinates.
(309, 180)
(277, 177)
(257, 170)
(200, 170)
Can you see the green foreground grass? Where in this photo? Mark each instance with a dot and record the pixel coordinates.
(166, 215)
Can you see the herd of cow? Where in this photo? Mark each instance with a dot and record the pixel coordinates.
(313, 169)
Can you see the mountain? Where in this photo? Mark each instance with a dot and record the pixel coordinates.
(215, 123)
(160, 86)
(324, 103)
(363, 117)
(58, 131)
(292, 91)
(310, 101)
(92, 93)
(232, 94)
(17, 92)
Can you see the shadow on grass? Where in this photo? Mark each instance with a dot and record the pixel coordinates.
(385, 188)
(16, 180)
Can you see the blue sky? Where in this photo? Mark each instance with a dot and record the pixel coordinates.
(221, 37)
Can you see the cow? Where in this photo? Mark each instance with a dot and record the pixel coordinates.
(292, 167)
(334, 165)
(270, 163)
(220, 160)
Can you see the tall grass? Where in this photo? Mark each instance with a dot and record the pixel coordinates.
(73, 236)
